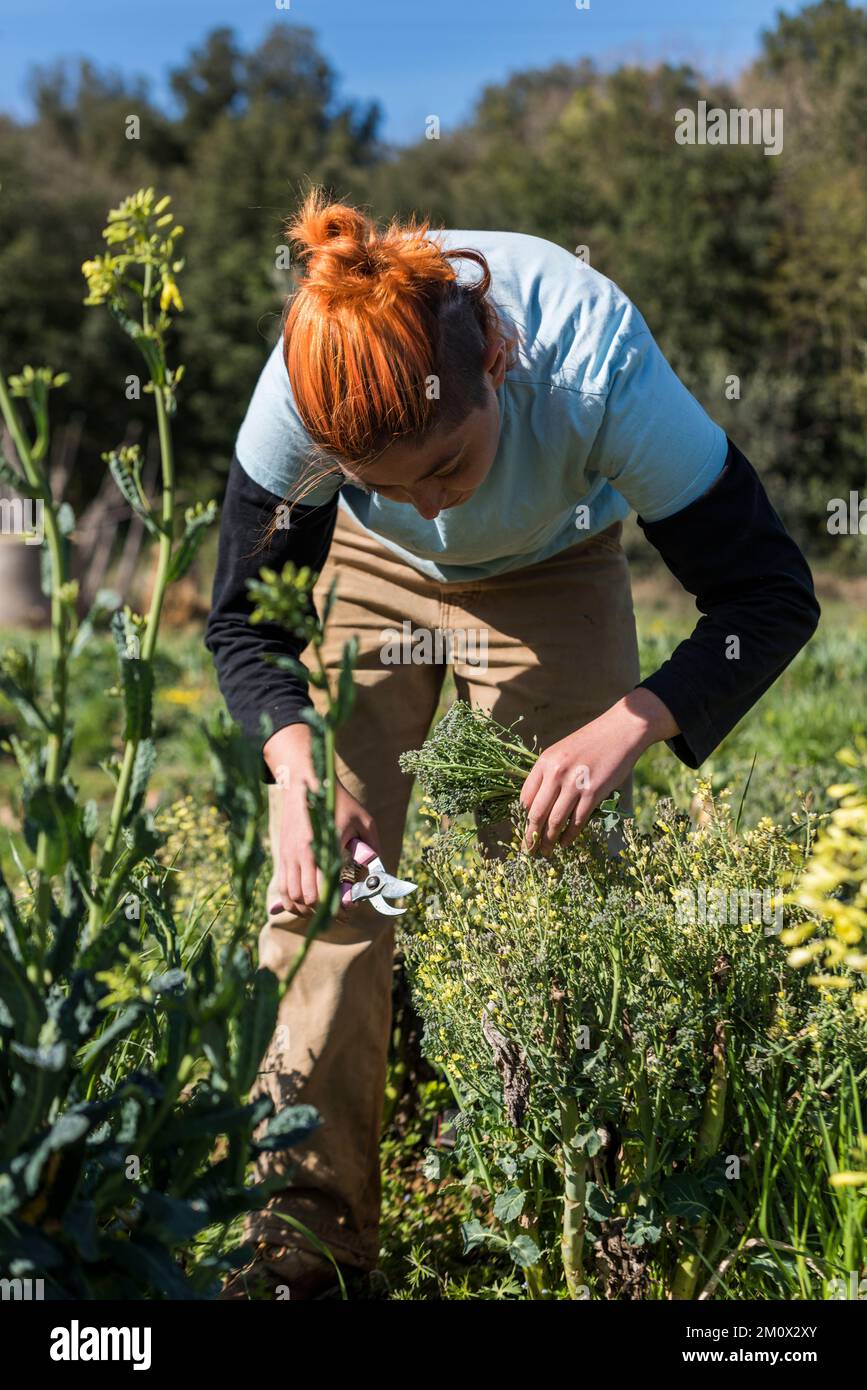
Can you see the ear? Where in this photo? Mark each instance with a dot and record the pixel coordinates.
(494, 362)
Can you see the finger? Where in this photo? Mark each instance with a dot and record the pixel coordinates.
(309, 888)
(558, 820)
(532, 783)
(537, 816)
(370, 833)
(286, 903)
(278, 892)
(293, 883)
(274, 892)
(363, 828)
(577, 821)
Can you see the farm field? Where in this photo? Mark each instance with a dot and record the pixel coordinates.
(631, 1072)
(452, 1222)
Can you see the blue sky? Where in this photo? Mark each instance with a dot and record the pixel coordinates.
(417, 57)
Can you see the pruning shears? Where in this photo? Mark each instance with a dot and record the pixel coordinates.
(376, 885)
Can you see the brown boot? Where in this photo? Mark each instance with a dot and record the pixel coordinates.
(285, 1272)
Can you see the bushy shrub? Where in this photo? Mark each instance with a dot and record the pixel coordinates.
(651, 1098)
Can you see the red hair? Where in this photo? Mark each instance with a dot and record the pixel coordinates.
(377, 319)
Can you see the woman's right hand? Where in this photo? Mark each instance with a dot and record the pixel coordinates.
(297, 880)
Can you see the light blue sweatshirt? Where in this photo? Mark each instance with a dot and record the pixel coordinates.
(593, 423)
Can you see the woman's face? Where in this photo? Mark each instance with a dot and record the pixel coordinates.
(447, 468)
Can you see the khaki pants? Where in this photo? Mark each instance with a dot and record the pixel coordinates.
(561, 648)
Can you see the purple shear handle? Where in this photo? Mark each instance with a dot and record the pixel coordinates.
(361, 854)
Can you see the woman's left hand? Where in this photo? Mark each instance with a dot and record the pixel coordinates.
(573, 776)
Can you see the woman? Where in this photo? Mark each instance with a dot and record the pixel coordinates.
(486, 409)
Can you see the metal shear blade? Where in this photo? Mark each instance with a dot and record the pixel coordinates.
(377, 885)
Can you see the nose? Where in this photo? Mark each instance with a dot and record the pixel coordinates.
(428, 501)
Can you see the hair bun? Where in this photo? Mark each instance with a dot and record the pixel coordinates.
(319, 222)
(348, 258)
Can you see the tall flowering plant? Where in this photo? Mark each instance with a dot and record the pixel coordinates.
(128, 1049)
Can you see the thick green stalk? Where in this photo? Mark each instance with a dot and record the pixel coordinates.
(121, 795)
(633, 1165)
(707, 1144)
(574, 1196)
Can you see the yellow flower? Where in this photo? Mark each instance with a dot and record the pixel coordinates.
(177, 696)
(170, 295)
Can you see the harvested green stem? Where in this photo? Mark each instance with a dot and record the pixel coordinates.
(470, 763)
(473, 763)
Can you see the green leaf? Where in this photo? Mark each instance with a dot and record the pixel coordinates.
(21, 1242)
(253, 1030)
(684, 1196)
(161, 921)
(175, 1218)
(105, 601)
(141, 837)
(118, 1028)
(641, 1230)
(346, 683)
(150, 1264)
(80, 1225)
(596, 1205)
(198, 519)
(137, 679)
(764, 1263)
(192, 1122)
(509, 1204)
(13, 927)
(143, 765)
(65, 937)
(68, 1129)
(432, 1166)
(51, 1057)
(474, 1235)
(90, 819)
(53, 812)
(524, 1251)
(588, 1140)
(25, 703)
(125, 468)
(288, 1128)
(22, 1000)
(103, 949)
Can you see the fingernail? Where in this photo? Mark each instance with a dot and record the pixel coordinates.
(276, 907)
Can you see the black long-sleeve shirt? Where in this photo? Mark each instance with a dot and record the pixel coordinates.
(728, 548)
